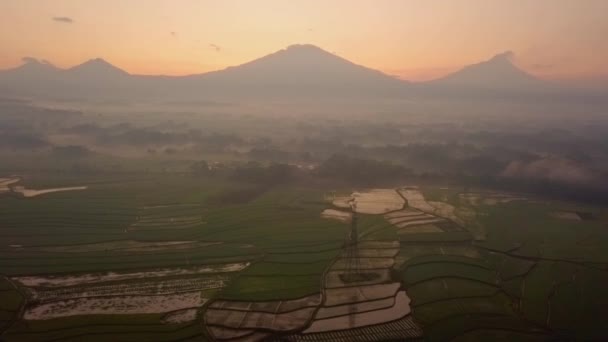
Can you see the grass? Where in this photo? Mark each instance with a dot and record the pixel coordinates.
(422, 272)
(538, 234)
(530, 265)
(270, 288)
(484, 305)
(445, 288)
(462, 325)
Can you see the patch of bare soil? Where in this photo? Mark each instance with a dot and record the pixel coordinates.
(377, 201)
(118, 305)
(415, 199)
(144, 287)
(343, 202)
(332, 214)
(90, 278)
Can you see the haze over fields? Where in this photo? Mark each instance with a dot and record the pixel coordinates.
(489, 106)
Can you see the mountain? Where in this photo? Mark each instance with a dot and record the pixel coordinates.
(39, 78)
(31, 69)
(96, 75)
(497, 73)
(298, 70)
(96, 68)
(303, 66)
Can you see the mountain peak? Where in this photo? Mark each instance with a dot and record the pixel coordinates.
(303, 47)
(304, 65)
(304, 51)
(97, 61)
(498, 72)
(33, 67)
(97, 65)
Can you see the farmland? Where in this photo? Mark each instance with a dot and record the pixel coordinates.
(161, 257)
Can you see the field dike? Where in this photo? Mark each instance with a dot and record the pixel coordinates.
(120, 245)
(33, 193)
(5, 186)
(6, 182)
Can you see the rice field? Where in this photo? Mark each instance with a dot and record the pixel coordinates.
(160, 257)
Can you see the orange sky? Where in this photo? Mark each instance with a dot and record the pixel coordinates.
(413, 39)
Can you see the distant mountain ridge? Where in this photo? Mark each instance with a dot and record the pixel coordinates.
(498, 72)
(302, 65)
(97, 67)
(298, 70)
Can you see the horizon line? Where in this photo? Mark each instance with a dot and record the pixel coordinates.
(400, 77)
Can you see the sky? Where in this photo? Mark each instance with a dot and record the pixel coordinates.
(412, 39)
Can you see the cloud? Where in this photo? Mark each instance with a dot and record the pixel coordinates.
(552, 169)
(32, 60)
(65, 20)
(217, 48)
(504, 56)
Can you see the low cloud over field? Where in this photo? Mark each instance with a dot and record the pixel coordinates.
(553, 169)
